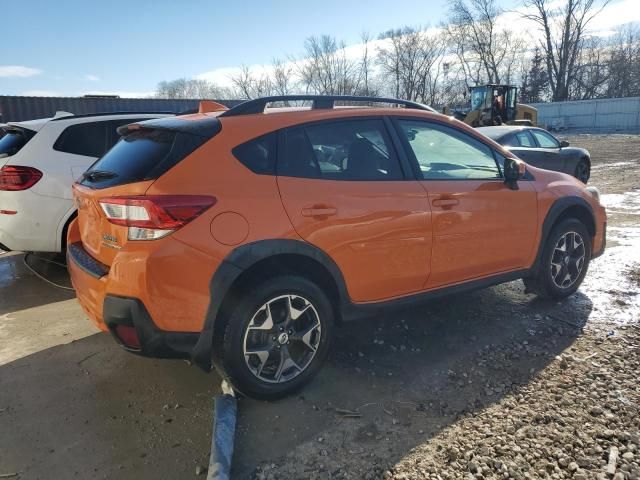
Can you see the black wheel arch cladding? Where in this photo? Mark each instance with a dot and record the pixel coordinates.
(239, 261)
(565, 207)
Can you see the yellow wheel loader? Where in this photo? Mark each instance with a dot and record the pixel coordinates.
(495, 105)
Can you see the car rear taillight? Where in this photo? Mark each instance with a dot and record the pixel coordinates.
(14, 178)
(154, 216)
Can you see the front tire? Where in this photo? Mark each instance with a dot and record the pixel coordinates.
(564, 263)
(277, 337)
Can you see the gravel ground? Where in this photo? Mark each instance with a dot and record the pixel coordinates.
(568, 421)
(571, 421)
(558, 400)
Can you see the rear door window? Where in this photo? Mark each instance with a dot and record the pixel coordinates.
(545, 140)
(13, 141)
(525, 139)
(356, 150)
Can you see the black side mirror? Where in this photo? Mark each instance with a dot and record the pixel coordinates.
(564, 143)
(513, 171)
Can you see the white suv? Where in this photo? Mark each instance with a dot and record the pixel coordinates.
(39, 160)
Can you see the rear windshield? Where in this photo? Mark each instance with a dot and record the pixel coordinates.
(143, 155)
(13, 141)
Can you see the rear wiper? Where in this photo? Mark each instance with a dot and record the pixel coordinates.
(97, 175)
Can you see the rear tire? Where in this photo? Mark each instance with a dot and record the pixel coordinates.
(277, 337)
(583, 171)
(564, 263)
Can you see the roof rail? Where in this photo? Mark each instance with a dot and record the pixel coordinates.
(319, 102)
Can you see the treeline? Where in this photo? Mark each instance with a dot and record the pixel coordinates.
(547, 49)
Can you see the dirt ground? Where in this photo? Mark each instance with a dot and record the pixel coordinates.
(489, 384)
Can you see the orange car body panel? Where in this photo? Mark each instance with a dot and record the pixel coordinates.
(480, 226)
(378, 233)
(389, 239)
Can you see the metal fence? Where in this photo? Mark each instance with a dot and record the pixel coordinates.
(602, 115)
(15, 109)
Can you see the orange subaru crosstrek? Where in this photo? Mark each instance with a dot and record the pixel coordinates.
(240, 238)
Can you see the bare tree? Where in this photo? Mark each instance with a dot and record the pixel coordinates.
(190, 88)
(251, 85)
(434, 47)
(411, 60)
(564, 31)
(365, 65)
(326, 69)
(592, 72)
(624, 63)
(486, 52)
(282, 77)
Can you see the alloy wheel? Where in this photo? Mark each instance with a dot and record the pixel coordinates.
(282, 338)
(567, 260)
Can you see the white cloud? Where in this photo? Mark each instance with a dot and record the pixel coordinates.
(41, 93)
(7, 71)
(615, 14)
(222, 76)
(612, 16)
(91, 78)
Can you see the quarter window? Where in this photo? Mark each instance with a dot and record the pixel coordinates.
(87, 139)
(347, 150)
(258, 155)
(545, 140)
(445, 154)
(91, 139)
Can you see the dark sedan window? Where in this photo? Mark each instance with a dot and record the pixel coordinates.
(524, 139)
(545, 140)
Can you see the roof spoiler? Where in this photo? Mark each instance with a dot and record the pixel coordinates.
(207, 106)
(60, 114)
(203, 127)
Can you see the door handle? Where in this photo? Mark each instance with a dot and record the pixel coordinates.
(319, 211)
(445, 202)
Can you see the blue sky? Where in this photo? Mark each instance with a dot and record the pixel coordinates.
(81, 46)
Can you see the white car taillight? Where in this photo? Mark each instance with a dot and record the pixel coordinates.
(154, 216)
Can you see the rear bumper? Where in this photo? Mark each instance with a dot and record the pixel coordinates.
(107, 311)
(154, 342)
(159, 288)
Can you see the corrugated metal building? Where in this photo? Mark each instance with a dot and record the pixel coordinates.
(14, 108)
(606, 114)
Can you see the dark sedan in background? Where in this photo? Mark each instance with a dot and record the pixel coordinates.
(541, 149)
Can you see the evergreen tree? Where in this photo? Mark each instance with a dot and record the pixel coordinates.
(535, 82)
